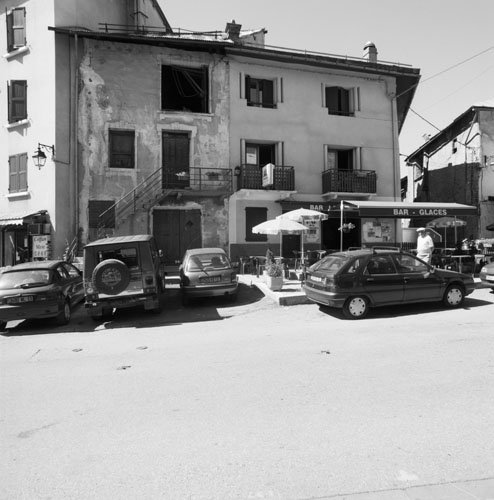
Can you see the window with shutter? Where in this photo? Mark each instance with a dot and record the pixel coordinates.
(16, 29)
(122, 148)
(260, 92)
(17, 100)
(338, 101)
(18, 173)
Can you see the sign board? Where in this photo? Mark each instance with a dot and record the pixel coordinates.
(268, 175)
(41, 247)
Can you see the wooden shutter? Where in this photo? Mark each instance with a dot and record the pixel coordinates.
(16, 29)
(13, 177)
(17, 97)
(267, 94)
(22, 172)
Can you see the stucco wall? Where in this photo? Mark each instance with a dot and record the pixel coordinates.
(120, 87)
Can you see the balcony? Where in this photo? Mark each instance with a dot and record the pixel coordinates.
(250, 177)
(198, 179)
(349, 181)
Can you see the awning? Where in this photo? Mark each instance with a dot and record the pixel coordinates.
(17, 219)
(403, 210)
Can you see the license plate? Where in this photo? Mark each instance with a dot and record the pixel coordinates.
(490, 277)
(20, 300)
(316, 279)
(210, 279)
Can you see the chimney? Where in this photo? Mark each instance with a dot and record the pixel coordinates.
(370, 52)
(233, 30)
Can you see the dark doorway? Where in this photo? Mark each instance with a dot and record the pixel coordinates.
(331, 235)
(176, 231)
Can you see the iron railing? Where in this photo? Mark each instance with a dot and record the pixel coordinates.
(349, 181)
(160, 184)
(250, 177)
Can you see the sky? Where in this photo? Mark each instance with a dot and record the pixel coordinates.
(450, 41)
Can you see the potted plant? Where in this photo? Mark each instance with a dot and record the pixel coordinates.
(274, 275)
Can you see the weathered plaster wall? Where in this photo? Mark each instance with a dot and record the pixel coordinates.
(120, 87)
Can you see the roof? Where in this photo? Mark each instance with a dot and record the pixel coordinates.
(120, 239)
(407, 77)
(17, 219)
(37, 264)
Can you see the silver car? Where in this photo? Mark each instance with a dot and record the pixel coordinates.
(207, 272)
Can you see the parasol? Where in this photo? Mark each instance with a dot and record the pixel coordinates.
(301, 215)
(445, 222)
(279, 226)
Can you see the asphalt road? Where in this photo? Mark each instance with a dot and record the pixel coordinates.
(251, 401)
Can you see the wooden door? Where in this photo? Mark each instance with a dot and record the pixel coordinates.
(176, 172)
(176, 231)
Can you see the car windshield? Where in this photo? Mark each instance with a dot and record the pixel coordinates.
(26, 278)
(208, 261)
(331, 264)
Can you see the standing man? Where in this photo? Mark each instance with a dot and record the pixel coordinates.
(425, 245)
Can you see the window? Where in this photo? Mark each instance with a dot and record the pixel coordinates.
(16, 29)
(17, 100)
(339, 159)
(260, 154)
(340, 101)
(259, 92)
(254, 216)
(98, 207)
(18, 173)
(122, 149)
(184, 89)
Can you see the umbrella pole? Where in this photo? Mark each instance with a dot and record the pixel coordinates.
(341, 225)
(444, 237)
(456, 235)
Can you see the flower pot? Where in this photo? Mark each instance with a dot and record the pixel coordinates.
(274, 283)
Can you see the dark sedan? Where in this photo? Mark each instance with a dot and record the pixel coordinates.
(360, 279)
(42, 289)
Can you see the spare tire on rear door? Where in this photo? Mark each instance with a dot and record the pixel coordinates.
(111, 276)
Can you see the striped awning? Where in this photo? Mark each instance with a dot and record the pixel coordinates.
(17, 219)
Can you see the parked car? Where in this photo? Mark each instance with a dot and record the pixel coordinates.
(41, 289)
(207, 272)
(486, 274)
(360, 279)
(120, 272)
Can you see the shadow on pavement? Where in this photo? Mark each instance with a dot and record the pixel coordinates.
(399, 311)
(173, 312)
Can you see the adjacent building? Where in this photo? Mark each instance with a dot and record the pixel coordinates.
(457, 166)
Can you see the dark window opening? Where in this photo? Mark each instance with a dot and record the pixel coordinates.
(18, 173)
(340, 159)
(259, 92)
(338, 101)
(100, 207)
(17, 100)
(16, 29)
(184, 89)
(121, 149)
(254, 216)
(260, 154)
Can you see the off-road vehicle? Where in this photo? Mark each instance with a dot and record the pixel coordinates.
(123, 271)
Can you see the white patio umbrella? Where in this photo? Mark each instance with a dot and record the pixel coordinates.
(279, 226)
(446, 222)
(301, 215)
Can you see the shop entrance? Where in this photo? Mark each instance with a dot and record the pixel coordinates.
(330, 235)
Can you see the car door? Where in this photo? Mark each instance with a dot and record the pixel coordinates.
(72, 283)
(419, 280)
(381, 281)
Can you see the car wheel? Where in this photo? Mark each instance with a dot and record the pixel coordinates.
(111, 276)
(64, 315)
(3, 325)
(356, 307)
(454, 296)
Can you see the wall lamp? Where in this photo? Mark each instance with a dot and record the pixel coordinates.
(39, 156)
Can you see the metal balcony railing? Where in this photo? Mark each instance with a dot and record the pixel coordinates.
(349, 181)
(250, 177)
(199, 179)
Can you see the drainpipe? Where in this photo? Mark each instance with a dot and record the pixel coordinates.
(75, 133)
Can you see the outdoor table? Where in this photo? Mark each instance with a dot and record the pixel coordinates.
(460, 260)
